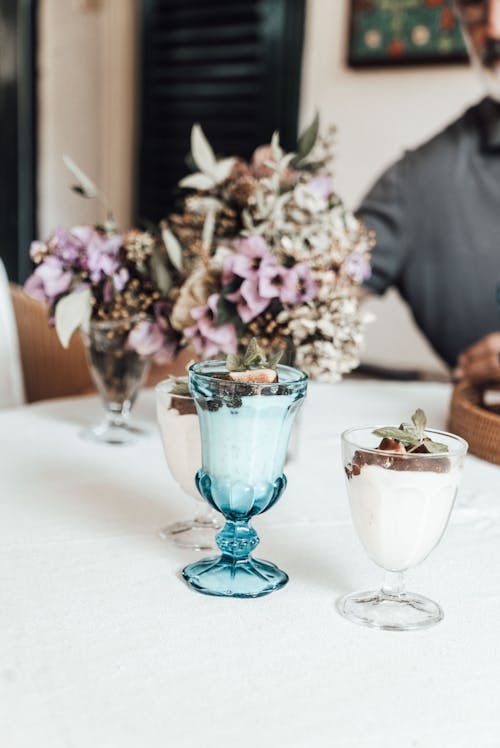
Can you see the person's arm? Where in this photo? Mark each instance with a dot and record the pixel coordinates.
(384, 212)
(481, 361)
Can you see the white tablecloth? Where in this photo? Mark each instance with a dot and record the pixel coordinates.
(102, 644)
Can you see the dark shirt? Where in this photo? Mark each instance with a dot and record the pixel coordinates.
(436, 215)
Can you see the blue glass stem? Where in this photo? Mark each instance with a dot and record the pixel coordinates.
(236, 540)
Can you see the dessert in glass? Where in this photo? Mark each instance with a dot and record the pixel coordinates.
(245, 421)
(180, 433)
(401, 491)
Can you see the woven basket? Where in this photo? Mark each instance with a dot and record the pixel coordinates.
(479, 426)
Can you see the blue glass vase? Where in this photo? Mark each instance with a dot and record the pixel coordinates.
(245, 430)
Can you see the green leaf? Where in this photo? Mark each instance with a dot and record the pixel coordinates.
(72, 311)
(201, 149)
(273, 362)
(307, 141)
(85, 186)
(180, 386)
(419, 420)
(391, 432)
(435, 447)
(254, 356)
(234, 363)
(173, 247)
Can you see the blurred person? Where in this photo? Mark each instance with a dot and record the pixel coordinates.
(436, 218)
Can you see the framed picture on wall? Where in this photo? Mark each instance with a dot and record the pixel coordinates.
(404, 32)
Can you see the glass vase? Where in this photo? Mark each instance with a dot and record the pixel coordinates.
(245, 428)
(180, 433)
(118, 373)
(400, 506)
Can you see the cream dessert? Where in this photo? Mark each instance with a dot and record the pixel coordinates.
(401, 495)
(400, 515)
(180, 434)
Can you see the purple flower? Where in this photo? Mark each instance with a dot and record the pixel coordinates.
(37, 250)
(299, 285)
(249, 302)
(120, 279)
(102, 255)
(170, 345)
(322, 184)
(146, 338)
(48, 281)
(206, 338)
(357, 267)
(251, 254)
(68, 247)
(272, 280)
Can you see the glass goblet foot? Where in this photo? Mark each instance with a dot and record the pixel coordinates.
(377, 609)
(114, 429)
(197, 534)
(227, 577)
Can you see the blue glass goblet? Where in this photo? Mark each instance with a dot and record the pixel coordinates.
(245, 428)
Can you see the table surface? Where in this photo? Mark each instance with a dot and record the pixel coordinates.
(102, 644)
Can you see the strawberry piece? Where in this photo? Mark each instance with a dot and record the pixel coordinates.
(259, 376)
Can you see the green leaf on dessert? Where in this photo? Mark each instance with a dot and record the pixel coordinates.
(273, 361)
(412, 434)
(419, 420)
(391, 432)
(254, 356)
(234, 362)
(180, 386)
(435, 447)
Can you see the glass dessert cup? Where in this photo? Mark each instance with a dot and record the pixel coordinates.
(400, 506)
(180, 433)
(245, 428)
(118, 373)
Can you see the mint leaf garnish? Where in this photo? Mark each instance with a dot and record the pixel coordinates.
(412, 435)
(253, 358)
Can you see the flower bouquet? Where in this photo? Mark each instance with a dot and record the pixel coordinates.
(265, 248)
(113, 287)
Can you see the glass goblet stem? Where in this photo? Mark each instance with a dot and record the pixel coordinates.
(393, 584)
(236, 540)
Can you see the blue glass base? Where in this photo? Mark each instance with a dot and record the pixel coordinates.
(227, 577)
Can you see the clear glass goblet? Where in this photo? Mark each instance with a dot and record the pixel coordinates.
(400, 506)
(180, 433)
(245, 428)
(118, 373)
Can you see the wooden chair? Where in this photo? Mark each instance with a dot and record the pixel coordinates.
(49, 370)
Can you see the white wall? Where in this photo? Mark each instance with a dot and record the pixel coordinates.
(86, 65)
(378, 113)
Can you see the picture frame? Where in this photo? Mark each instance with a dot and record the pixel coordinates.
(392, 33)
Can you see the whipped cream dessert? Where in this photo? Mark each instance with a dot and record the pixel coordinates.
(401, 493)
(400, 515)
(180, 434)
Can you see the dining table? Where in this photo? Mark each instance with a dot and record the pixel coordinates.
(103, 644)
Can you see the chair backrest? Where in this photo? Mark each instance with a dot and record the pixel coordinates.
(11, 375)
